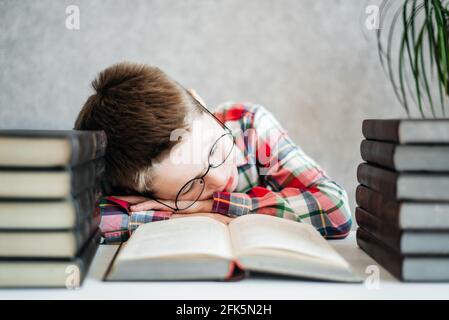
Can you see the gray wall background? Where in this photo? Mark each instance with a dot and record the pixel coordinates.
(308, 61)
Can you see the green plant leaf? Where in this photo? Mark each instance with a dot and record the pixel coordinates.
(423, 55)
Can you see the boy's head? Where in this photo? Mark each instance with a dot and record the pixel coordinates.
(145, 114)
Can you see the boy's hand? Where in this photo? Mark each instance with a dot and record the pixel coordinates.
(217, 216)
(142, 204)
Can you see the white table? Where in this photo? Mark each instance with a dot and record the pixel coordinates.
(256, 288)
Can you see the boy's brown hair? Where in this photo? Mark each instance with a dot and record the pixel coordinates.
(138, 106)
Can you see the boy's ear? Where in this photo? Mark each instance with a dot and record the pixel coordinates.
(196, 96)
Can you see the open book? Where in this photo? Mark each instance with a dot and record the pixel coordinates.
(201, 248)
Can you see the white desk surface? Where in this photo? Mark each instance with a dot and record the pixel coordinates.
(250, 288)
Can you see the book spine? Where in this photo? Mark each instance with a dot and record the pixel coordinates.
(382, 207)
(386, 233)
(381, 153)
(378, 179)
(87, 146)
(81, 207)
(387, 258)
(87, 254)
(87, 175)
(72, 247)
(383, 130)
(85, 230)
(85, 203)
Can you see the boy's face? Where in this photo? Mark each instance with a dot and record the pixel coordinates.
(188, 159)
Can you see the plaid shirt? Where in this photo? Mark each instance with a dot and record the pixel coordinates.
(275, 177)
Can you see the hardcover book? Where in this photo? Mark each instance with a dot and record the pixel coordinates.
(201, 248)
(422, 242)
(50, 148)
(49, 272)
(55, 183)
(47, 214)
(404, 267)
(407, 131)
(48, 243)
(432, 158)
(404, 214)
(404, 185)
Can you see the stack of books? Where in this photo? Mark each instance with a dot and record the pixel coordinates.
(50, 184)
(403, 197)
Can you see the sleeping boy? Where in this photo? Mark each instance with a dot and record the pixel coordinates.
(169, 157)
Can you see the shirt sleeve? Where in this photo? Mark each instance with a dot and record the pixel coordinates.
(292, 185)
(118, 222)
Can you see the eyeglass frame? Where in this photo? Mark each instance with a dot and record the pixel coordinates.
(228, 132)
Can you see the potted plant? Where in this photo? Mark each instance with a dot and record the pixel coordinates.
(420, 72)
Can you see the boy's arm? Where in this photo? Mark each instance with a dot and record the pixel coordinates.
(295, 187)
(117, 222)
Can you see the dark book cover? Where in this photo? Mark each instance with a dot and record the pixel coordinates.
(381, 153)
(87, 253)
(378, 179)
(58, 214)
(39, 243)
(415, 268)
(15, 184)
(404, 131)
(416, 186)
(407, 215)
(380, 229)
(382, 254)
(423, 242)
(406, 157)
(84, 145)
(384, 208)
(379, 129)
(50, 272)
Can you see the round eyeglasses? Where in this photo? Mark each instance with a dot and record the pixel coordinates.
(193, 189)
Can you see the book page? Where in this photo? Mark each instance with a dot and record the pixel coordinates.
(178, 237)
(256, 232)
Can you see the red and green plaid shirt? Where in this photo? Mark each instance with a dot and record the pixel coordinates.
(276, 177)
